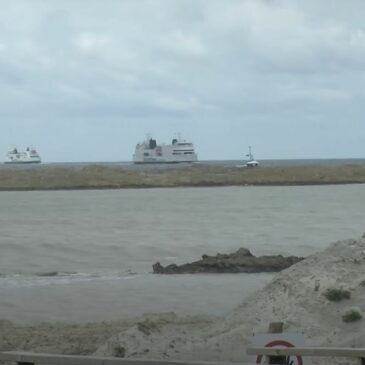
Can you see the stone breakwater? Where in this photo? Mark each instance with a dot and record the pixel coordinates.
(107, 177)
(241, 261)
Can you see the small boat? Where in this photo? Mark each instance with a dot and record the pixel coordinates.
(180, 150)
(30, 155)
(251, 161)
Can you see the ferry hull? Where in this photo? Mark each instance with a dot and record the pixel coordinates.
(21, 162)
(161, 162)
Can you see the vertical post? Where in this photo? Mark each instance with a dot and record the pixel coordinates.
(276, 327)
(362, 361)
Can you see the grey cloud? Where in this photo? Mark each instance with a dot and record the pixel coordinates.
(204, 62)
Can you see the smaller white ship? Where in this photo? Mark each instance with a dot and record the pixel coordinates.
(251, 161)
(180, 150)
(30, 155)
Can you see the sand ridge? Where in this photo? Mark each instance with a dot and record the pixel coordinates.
(109, 177)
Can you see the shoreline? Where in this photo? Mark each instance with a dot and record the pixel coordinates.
(132, 187)
(99, 177)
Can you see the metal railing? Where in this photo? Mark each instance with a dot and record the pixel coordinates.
(344, 352)
(273, 354)
(32, 358)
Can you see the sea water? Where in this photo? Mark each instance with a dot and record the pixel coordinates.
(88, 255)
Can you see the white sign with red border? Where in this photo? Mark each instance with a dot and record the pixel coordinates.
(279, 340)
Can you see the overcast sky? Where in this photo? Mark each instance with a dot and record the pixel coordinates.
(84, 80)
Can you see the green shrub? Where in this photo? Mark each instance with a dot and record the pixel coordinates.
(352, 315)
(119, 351)
(337, 294)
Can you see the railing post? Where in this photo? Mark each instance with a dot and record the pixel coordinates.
(276, 327)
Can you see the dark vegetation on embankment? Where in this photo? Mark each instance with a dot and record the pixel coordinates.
(105, 177)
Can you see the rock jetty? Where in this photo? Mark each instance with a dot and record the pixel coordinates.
(241, 261)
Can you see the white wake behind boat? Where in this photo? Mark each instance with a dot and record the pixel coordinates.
(30, 155)
(180, 150)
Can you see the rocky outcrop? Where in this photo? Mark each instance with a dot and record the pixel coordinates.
(241, 261)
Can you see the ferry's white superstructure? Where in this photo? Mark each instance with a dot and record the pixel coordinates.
(179, 150)
(30, 155)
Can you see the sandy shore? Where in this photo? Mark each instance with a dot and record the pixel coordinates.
(295, 297)
(104, 177)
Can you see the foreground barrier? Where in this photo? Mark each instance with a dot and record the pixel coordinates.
(334, 352)
(273, 354)
(32, 358)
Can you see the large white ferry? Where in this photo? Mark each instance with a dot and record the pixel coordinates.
(180, 150)
(30, 155)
